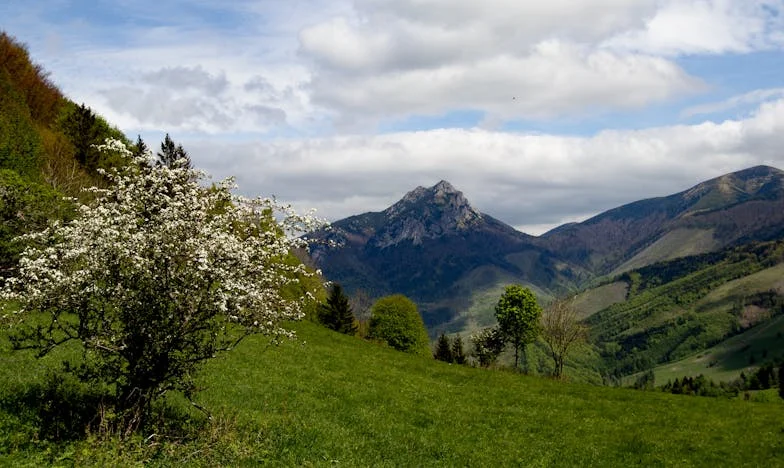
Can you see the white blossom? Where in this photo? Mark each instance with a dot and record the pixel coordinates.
(160, 243)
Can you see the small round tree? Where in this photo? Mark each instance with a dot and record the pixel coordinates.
(396, 320)
(156, 275)
(518, 316)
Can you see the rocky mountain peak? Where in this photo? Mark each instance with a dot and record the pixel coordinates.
(427, 213)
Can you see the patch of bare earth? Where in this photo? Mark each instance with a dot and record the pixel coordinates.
(753, 315)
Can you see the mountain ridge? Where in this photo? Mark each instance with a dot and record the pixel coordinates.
(613, 237)
(435, 247)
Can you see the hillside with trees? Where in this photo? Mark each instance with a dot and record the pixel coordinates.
(682, 307)
(47, 148)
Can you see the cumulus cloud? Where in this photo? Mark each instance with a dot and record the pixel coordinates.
(509, 59)
(555, 79)
(707, 27)
(193, 99)
(531, 181)
(226, 73)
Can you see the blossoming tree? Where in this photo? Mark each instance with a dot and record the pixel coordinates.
(156, 275)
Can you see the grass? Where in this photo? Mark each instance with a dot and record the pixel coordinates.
(480, 313)
(330, 399)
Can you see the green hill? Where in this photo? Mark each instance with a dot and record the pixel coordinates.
(682, 307)
(330, 399)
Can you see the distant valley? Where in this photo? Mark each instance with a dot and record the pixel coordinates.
(644, 272)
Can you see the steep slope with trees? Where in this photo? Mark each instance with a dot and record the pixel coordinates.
(681, 307)
(46, 148)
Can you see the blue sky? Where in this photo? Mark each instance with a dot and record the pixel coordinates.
(540, 112)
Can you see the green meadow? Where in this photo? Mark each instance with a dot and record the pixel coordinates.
(333, 400)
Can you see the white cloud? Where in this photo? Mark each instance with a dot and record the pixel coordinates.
(192, 99)
(509, 59)
(224, 71)
(555, 79)
(707, 27)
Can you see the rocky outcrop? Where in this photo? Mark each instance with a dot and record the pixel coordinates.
(426, 213)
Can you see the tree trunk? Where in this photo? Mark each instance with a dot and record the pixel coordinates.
(132, 408)
(524, 361)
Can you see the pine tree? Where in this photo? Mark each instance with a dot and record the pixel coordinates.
(458, 354)
(336, 313)
(81, 127)
(443, 349)
(140, 147)
(170, 153)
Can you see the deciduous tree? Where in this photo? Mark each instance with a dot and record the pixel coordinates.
(156, 275)
(518, 316)
(488, 345)
(396, 320)
(561, 330)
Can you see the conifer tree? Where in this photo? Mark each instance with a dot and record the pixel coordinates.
(458, 354)
(443, 349)
(139, 147)
(171, 152)
(81, 127)
(336, 313)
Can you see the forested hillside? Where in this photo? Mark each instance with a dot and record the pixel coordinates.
(46, 147)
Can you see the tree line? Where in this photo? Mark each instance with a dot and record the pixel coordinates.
(395, 320)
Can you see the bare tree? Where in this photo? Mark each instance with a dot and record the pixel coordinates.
(561, 329)
(360, 303)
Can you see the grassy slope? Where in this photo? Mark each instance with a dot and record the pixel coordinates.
(593, 300)
(481, 311)
(337, 400)
(674, 244)
(767, 279)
